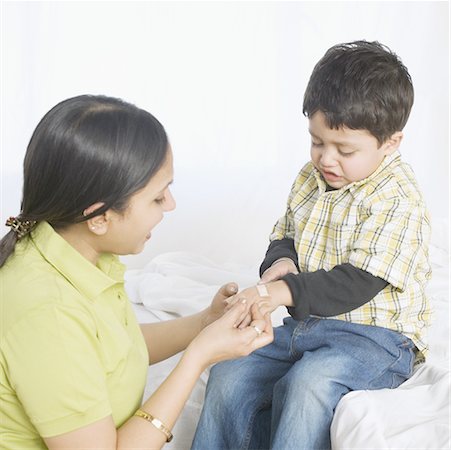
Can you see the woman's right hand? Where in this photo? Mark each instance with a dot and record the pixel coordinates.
(223, 339)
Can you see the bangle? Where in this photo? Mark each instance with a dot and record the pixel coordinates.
(156, 423)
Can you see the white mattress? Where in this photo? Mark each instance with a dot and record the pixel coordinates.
(415, 415)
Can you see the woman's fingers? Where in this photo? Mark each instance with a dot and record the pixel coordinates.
(259, 333)
(236, 313)
(231, 300)
(223, 340)
(260, 320)
(226, 291)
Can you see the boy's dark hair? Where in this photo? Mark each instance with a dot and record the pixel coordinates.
(87, 149)
(361, 85)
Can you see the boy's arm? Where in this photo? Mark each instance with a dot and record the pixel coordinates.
(327, 294)
(388, 248)
(319, 293)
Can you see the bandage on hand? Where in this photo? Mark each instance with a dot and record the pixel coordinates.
(262, 290)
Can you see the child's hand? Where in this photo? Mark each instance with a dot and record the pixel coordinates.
(279, 268)
(268, 297)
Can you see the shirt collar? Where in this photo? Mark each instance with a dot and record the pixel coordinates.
(389, 161)
(84, 276)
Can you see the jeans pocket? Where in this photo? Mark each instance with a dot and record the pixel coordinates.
(402, 369)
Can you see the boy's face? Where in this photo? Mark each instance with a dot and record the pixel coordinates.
(343, 156)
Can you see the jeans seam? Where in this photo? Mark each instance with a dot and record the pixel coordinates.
(301, 327)
(248, 434)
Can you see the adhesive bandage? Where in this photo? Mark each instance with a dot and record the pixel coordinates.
(262, 291)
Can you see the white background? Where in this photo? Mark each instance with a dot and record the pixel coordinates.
(226, 79)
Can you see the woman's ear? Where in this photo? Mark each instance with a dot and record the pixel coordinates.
(392, 143)
(97, 224)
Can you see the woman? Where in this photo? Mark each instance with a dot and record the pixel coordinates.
(73, 359)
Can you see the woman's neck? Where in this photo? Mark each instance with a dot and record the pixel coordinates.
(79, 238)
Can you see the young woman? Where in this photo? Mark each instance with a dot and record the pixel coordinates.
(73, 360)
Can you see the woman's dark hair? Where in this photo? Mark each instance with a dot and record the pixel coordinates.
(85, 150)
(361, 85)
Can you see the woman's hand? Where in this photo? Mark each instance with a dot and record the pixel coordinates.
(175, 335)
(279, 268)
(223, 339)
(218, 304)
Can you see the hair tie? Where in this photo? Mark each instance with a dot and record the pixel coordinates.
(20, 226)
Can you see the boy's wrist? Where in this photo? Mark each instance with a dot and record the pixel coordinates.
(280, 293)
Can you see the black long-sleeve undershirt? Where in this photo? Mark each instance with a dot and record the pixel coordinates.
(323, 293)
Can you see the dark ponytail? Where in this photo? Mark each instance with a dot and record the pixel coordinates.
(85, 150)
(7, 245)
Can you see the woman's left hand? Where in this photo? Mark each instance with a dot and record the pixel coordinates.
(219, 303)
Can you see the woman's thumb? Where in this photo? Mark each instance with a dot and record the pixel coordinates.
(228, 290)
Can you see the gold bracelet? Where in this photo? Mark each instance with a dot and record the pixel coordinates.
(156, 423)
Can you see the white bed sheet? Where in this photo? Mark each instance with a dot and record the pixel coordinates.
(416, 415)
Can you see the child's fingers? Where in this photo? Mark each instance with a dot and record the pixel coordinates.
(244, 319)
(256, 312)
(268, 323)
(268, 276)
(265, 307)
(247, 319)
(273, 275)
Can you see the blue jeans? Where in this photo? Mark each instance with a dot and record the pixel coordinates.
(283, 396)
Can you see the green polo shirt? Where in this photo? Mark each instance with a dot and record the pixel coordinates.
(71, 350)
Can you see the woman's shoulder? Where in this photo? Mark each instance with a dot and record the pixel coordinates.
(31, 286)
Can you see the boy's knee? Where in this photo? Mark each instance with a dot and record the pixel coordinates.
(305, 384)
(225, 380)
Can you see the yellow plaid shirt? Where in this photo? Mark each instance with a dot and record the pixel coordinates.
(380, 225)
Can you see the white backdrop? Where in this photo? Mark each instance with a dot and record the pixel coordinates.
(226, 79)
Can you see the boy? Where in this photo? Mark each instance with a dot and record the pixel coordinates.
(348, 259)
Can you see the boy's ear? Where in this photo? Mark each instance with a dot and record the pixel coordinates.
(97, 224)
(392, 143)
